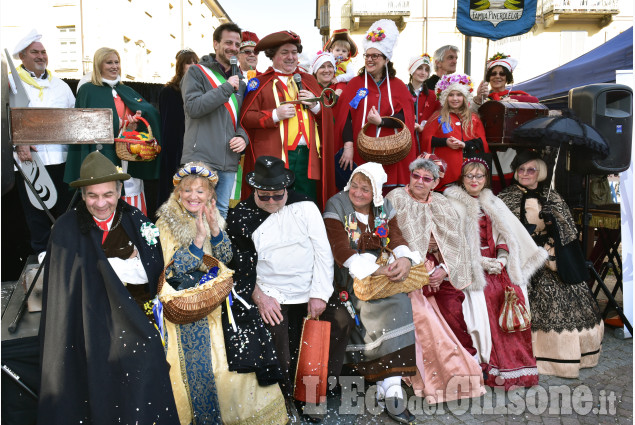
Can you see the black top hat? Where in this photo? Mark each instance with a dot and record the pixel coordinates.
(270, 174)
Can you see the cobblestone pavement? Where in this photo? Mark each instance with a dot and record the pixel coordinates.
(601, 395)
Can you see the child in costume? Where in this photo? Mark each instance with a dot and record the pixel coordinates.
(342, 46)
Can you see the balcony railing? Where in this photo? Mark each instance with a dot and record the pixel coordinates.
(380, 7)
(581, 6)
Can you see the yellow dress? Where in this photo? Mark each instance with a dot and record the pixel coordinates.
(240, 398)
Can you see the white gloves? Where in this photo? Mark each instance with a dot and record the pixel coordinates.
(491, 265)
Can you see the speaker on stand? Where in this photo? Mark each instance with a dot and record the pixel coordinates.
(609, 109)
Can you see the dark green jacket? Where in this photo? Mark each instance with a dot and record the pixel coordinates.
(92, 96)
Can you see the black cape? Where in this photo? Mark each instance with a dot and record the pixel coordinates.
(251, 348)
(172, 131)
(102, 362)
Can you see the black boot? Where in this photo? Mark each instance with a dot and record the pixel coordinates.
(397, 410)
(309, 417)
(292, 412)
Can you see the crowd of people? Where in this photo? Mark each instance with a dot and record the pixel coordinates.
(261, 180)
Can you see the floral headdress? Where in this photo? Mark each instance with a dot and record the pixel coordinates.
(459, 82)
(382, 35)
(376, 35)
(194, 169)
(417, 61)
(501, 59)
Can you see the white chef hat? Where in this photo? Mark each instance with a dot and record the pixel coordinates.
(31, 37)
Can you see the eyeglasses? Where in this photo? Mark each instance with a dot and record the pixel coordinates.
(474, 176)
(528, 171)
(498, 73)
(248, 52)
(417, 177)
(266, 198)
(373, 56)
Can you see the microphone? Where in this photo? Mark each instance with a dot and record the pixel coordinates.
(298, 82)
(233, 62)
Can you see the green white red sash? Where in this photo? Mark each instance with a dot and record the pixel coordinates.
(216, 80)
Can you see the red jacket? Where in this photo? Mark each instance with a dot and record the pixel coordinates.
(264, 134)
(453, 157)
(377, 96)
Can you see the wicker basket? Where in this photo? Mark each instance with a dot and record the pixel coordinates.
(385, 150)
(135, 148)
(377, 287)
(192, 304)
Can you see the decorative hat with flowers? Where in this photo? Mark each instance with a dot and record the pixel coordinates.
(501, 59)
(417, 61)
(459, 82)
(382, 35)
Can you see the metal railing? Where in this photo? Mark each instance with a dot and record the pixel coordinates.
(585, 6)
(380, 7)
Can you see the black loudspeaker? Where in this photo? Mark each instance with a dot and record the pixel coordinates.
(609, 109)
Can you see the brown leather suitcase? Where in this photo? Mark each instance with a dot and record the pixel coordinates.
(500, 119)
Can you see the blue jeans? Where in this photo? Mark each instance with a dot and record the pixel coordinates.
(223, 190)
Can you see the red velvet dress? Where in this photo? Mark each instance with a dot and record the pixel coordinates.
(512, 361)
(424, 107)
(453, 157)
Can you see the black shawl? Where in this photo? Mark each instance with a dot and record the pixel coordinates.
(172, 131)
(570, 260)
(102, 362)
(250, 349)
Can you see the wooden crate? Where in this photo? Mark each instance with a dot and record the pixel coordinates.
(500, 119)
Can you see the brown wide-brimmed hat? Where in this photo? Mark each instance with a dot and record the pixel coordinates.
(277, 39)
(342, 34)
(97, 169)
(270, 174)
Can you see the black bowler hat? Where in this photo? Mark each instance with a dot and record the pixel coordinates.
(524, 156)
(270, 174)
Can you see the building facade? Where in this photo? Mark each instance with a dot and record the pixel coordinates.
(564, 30)
(146, 33)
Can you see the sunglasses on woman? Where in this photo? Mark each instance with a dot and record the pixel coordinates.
(266, 198)
(417, 177)
(528, 171)
(497, 73)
